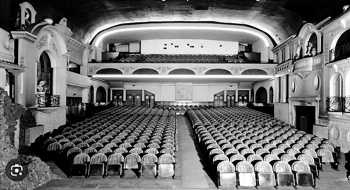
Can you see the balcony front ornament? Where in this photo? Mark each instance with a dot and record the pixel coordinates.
(334, 104)
(347, 104)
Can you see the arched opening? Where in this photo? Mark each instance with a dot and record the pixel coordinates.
(336, 86)
(10, 85)
(218, 72)
(91, 95)
(44, 74)
(261, 95)
(311, 46)
(335, 101)
(181, 72)
(101, 95)
(271, 95)
(342, 48)
(145, 71)
(254, 72)
(109, 71)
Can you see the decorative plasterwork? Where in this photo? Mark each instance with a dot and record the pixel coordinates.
(199, 69)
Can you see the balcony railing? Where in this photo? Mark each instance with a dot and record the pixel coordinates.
(338, 104)
(347, 104)
(242, 57)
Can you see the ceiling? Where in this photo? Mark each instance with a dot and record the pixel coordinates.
(208, 31)
(279, 18)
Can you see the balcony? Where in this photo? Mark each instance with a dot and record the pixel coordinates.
(304, 64)
(242, 57)
(75, 79)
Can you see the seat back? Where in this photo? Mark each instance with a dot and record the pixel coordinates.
(149, 159)
(115, 159)
(98, 158)
(132, 161)
(225, 167)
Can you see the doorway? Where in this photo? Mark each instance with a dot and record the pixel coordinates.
(305, 118)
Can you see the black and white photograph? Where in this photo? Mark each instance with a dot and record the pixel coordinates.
(174, 94)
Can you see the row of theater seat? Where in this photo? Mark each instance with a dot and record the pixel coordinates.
(125, 141)
(165, 58)
(247, 148)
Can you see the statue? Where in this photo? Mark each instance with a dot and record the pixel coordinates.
(42, 92)
(309, 47)
(42, 87)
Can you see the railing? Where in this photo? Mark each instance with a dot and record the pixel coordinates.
(347, 104)
(336, 104)
(242, 57)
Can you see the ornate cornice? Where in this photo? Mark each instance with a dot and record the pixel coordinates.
(24, 35)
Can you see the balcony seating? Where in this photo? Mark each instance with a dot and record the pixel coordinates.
(187, 58)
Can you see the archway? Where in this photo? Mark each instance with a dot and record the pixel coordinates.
(45, 74)
(261, 95)
(336, 86)
(182, 72)
(271, 95)
(101, 95)
(91, 95)
(254, 72)
(109, 71)
(336, 93)
(218, 72)
(311, 46)
(145, 71)
(342, 48)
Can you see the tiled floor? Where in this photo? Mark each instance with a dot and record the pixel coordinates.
(191, 173)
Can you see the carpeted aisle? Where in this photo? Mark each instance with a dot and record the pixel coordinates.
(193, 175)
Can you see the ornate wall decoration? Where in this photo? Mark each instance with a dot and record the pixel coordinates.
(317, 82)
(334, 133)
(334, 104)
(293, 85)
(347, 104)
(42, 42)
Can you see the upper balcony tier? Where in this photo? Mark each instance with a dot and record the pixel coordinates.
(244, 57)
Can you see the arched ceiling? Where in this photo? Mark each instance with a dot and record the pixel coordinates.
(182, 30)
(278, 18)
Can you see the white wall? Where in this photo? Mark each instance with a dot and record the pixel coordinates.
(188, 46)
(73, 91)
(167, 91)
(259, 46)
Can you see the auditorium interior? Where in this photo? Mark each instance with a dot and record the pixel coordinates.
(174, 94)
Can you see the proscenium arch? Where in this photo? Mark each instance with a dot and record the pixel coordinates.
(218, 72)
(145, 71)
(101, 34)
(109, 71)
(181, 71)
(253, 72)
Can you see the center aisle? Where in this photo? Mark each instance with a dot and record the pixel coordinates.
(193, 174)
